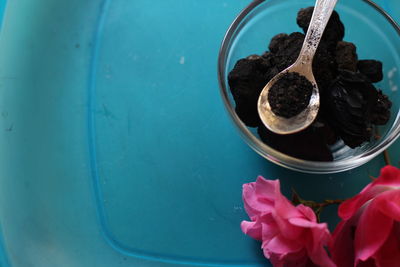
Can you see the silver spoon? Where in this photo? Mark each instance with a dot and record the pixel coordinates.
(303, 66)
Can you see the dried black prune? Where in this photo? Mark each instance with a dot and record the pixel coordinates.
(277, 42)
(270, 61)
(372, 69)
(348, 107)
(346, 56)
(308, 144)
(246, 80)
(381, 111)
(288, 50)
(334, 31)
(324, 66)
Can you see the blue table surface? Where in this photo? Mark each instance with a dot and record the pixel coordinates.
(115, 146)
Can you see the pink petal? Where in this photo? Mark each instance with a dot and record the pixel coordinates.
(267, 188)
(390, 176)
(251, 201)
(259, 196)
(249, 197)
(253, 229)
(316, 237)
(319, 231)
(275, 260)
(348, 208)
(269, 229)
(316, 249)
(372, 230)
(296, 259)
(307, 212)
(320, 258)
(389, 254)
(284, 208)
(300, 222)
(389, 204)
(287, 229)
(281, 246)
(321, 237)
(342, 246)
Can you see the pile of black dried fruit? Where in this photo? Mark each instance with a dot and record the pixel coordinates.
(290, 95)
(246, 80)
(287, 50)
(372, 69)
(350, 104)
(346, 56)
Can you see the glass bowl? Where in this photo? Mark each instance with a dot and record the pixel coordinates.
(376, 35)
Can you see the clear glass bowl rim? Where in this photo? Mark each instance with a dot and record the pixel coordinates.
(273, 155)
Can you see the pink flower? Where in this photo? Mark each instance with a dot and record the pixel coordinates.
(369, 233)
(291, 236)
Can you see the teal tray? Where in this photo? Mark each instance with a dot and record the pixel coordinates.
(115, 146)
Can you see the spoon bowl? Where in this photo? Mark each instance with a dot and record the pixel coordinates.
(299, 122)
